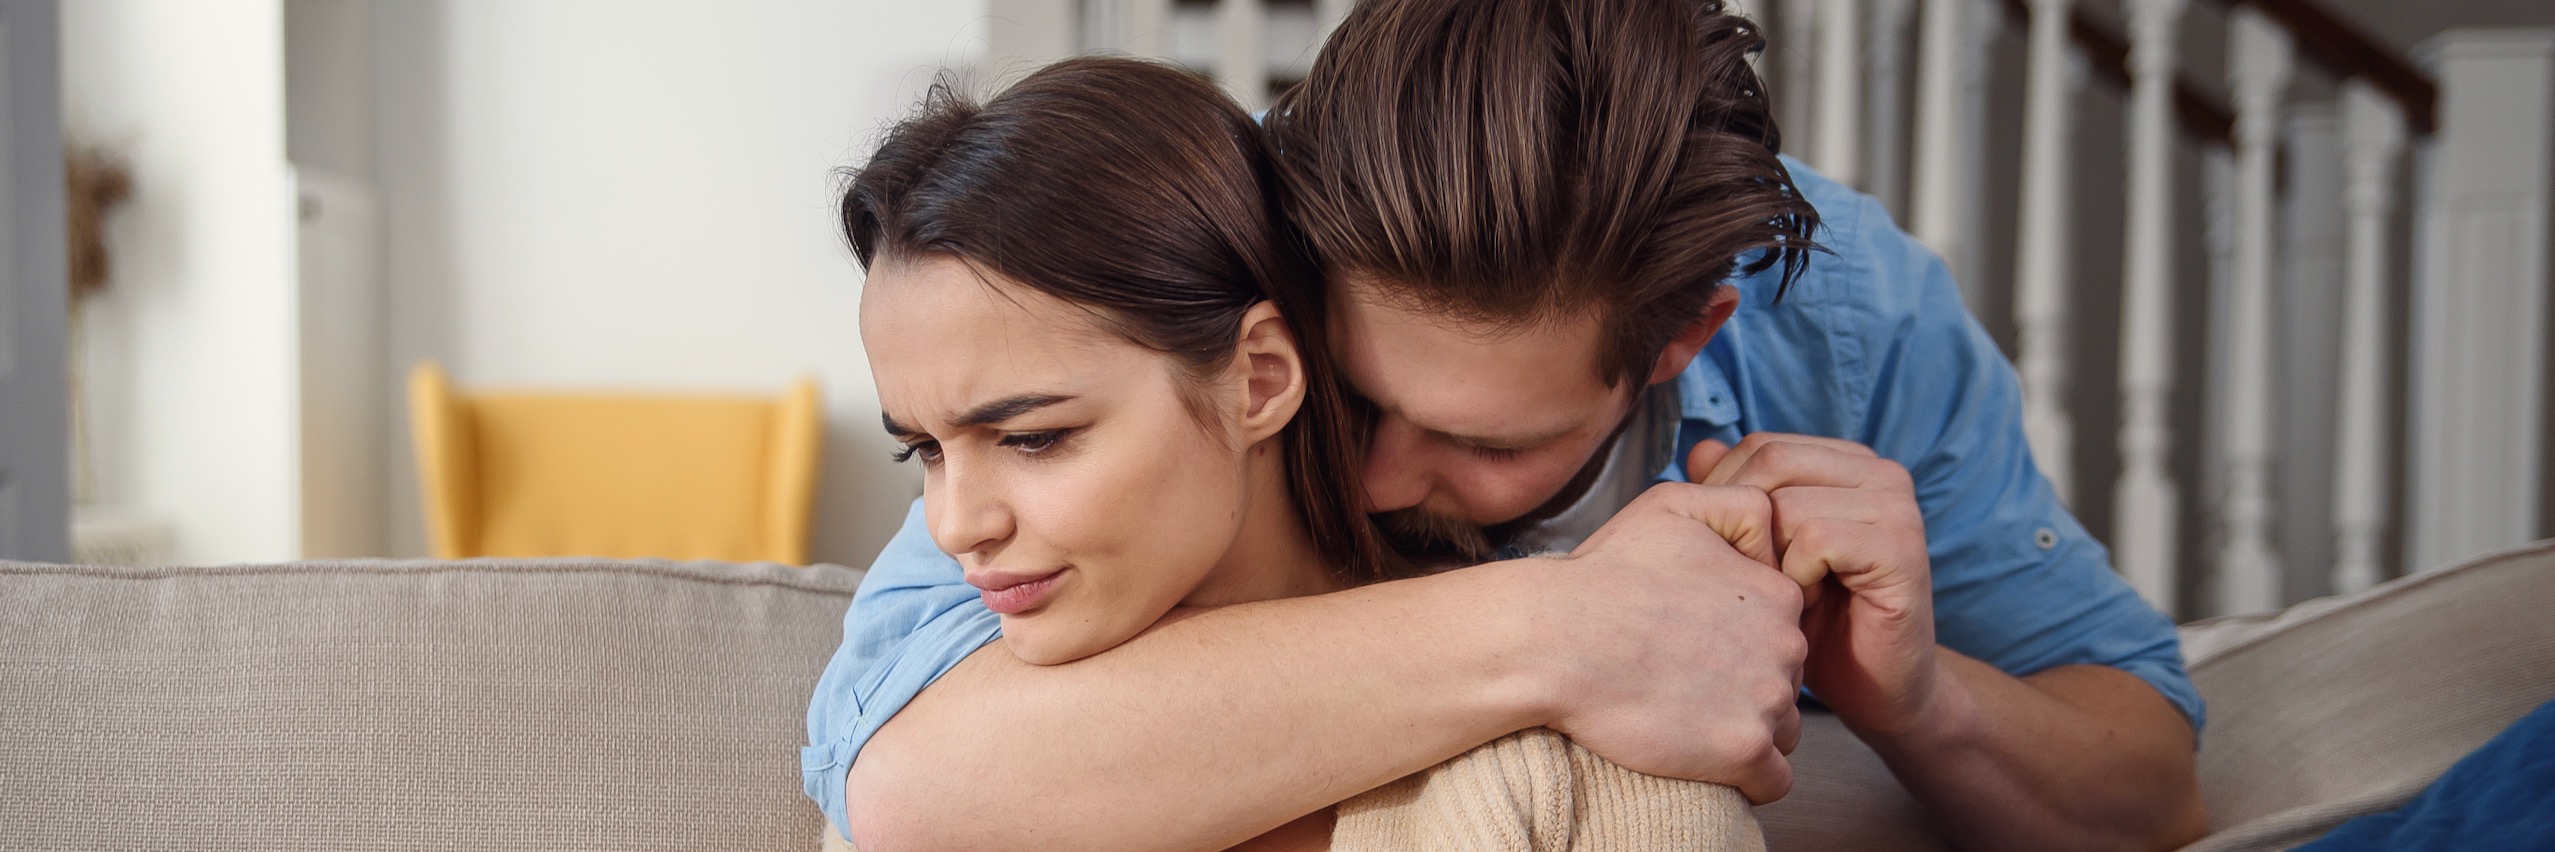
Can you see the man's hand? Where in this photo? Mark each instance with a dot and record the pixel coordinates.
(1693, 669)
(1848, 528)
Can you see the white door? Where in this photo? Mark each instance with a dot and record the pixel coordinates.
(35, 448)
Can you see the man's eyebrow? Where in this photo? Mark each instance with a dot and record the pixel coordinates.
(895, 429)
(1500, 442)
(1507, 442)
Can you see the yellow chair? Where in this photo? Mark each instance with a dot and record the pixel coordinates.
(615, 476)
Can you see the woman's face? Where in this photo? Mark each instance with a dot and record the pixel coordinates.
(1061, 466)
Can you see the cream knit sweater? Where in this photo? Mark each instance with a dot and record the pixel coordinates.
(1533, 791)
(1536, 790)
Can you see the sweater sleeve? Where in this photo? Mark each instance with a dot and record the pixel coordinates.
(1536, 791)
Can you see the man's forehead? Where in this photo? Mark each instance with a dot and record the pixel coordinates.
(1512, 383)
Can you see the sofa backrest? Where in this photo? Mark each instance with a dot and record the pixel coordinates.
(2347, 706)
(555, 704)
(2326, 711)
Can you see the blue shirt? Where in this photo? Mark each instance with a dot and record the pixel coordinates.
(1871, 344)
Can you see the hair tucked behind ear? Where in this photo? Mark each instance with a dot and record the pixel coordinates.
(1142, 194)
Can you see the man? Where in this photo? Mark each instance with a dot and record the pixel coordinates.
(1527, 210)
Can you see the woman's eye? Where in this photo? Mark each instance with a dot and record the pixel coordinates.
(1035, 443)
(928, 450)
(1494, 453)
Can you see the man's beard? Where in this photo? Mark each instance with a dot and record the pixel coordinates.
(1433, 542)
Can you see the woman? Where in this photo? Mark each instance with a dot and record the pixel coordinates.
(1085, 324)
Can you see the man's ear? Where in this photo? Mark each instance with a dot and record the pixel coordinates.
(1689, 341)
(1276, 373)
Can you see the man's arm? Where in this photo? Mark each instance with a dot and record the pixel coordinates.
(1658, 645)
(2078, 757)
(2074, 757)
(2092, 746)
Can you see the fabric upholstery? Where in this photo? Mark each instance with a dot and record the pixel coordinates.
(484, 705)
(585, 704)
(2325, 711)
(1844, 798)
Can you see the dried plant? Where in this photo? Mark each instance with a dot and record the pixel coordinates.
(98, 182)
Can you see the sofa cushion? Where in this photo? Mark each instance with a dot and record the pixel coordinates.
(2347, 706)
(437, 705)
(1844, 798)
(2318, 713)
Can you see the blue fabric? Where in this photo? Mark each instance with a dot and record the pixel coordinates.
(912, 620)
(2502, 796)
(1872, 344)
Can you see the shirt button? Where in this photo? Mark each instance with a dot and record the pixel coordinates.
(2045, 537)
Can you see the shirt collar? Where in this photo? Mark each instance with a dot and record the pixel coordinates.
(1705, 391)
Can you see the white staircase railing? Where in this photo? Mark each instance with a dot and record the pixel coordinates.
(2474, 397)
(2479, 298)
(2055, 74)
(2260, 60)
(2373, 136)
(2145, 523)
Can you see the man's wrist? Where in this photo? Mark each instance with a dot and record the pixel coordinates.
(1947, 720)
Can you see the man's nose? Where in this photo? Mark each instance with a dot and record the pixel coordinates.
(1395, 475)
(967, 514)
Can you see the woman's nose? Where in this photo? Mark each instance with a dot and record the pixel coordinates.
(968, 513)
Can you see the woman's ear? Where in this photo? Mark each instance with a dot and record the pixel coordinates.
(1275, 373)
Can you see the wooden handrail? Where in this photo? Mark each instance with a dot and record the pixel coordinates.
(2347, 52)
(2107, 54)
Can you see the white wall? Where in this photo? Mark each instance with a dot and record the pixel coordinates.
(190, 354)
(638, 195)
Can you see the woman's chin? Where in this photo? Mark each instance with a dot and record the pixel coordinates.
(1037, 639)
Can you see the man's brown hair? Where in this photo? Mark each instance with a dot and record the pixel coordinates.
(1516, 161)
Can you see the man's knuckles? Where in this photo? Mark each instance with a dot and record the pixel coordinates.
(1794, 652)
(1889, 475)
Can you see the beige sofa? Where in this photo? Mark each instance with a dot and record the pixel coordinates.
(580, 704)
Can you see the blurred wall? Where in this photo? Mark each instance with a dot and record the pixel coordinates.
(189, 354)
(598, 194)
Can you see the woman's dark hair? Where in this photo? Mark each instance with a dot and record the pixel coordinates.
(1142, 194)
(1514, 160)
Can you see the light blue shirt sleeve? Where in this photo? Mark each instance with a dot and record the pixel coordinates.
(913, 619)
(2018, 582)
(1874, 345)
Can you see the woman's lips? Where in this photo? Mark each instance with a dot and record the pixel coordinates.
(1013, 594)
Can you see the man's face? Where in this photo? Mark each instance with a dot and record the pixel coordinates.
(1475, 426)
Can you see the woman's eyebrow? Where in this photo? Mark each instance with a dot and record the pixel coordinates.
(1007, 408)
(987, 414)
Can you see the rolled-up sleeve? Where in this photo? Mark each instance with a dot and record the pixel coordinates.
(2018, 582)
(912, 621)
